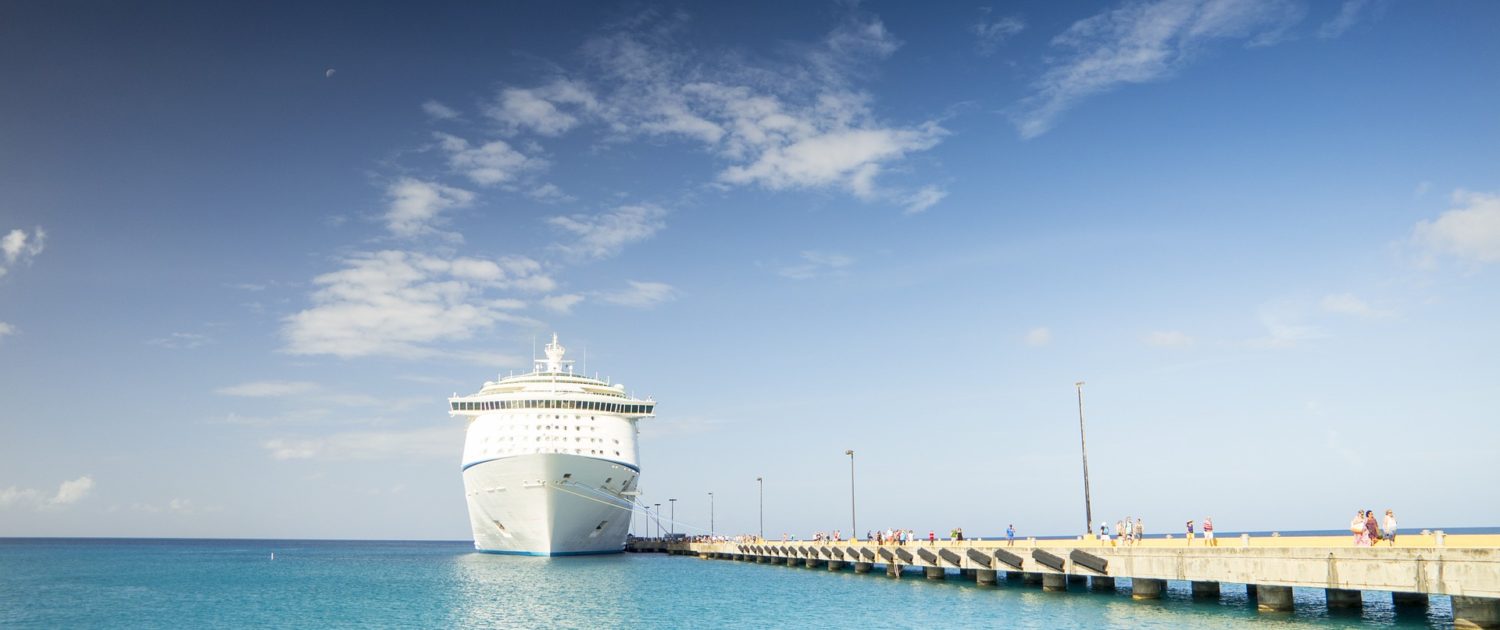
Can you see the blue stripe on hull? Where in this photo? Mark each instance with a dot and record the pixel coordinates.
(549, 554)
(486, 461)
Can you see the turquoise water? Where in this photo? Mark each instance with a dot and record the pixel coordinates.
(91, 583)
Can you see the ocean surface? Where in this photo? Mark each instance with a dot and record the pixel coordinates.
(142, 583)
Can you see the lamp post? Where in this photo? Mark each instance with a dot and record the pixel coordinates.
(658, 520)
(1088, 510)
(672, 522)
(761, 485)
(710, 515)
(853, 523)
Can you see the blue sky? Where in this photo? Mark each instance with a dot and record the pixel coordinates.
(246, 252)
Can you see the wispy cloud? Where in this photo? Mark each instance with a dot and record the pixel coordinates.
(18, 247)
(1169, 339)
(991, 32)
(641, 294)
(1142, 42)
(1470, 231)
(1350, 13)
(1038, 337)
(68, 493)
(561, 303)
(548, 110)
(405, 304)
(1350, 304)
(1285, 323)
(438, 111)
(369, 445)
(415, 205)
(607, 233)
(181, 341)
(815, 264)
(6, 330)
(488, 164)
(923, 199)
(268, 389)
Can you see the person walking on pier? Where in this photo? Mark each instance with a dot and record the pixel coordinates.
(931, 537)
(1010, 535)
(1390, 527)
(1208, 532)
(1372, 528)
(1140, 530)
(1190, 532)
(1357, 525)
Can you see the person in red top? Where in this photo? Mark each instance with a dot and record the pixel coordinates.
(1208, 532)
(931, 537)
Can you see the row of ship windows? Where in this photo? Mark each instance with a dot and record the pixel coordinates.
(540, 438)
(586, 405)
(509, 451)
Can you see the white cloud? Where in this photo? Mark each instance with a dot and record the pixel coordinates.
(549, 193)
(561, 303)
(6, 329)
(1349, 14)
(1285, 325)
(434, 442)
(815, 264)
(544, 110)
(607, 233)
(268, 389)
(1349, 304)
(491, 163)
(923, 199)
(1038, 337)
(641, 294)
(1169, 338)
(439, 111)
(416, 205)
(18, 247)
(181, 341)
(778, 126)
(993, 32)
(1469, 231)
(68, 493)
(1143, 42)
(401, 304)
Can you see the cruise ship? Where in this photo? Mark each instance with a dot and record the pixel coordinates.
(550, 463)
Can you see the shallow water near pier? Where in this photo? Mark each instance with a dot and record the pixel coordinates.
(47, 583)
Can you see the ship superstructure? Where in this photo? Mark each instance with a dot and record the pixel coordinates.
(550, 462)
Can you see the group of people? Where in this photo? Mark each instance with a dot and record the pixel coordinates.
(1124, 532)
(1367, 531)
(1208, 532)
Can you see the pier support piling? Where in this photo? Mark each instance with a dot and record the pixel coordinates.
(1476, 612)
(893, 570)
(1146, 588)
(1205, 590)
(813, 563)
(863, 567)
(1102, 583)
(1409, 600)
(984, 577)
(1344, 599)
(1077, 579)
(934, 573)
(835, 565)
(793, 561)
(1031, 578)
(1054, 582)
(1273, 598)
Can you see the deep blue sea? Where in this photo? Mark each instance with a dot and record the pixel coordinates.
(138, 583)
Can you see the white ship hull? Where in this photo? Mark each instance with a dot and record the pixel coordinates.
(549, 504)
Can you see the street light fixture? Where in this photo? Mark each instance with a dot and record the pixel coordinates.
(761, 484)
(710, 515)
(658, 520)
(1088, 509)
(853, 523)
(672, 523)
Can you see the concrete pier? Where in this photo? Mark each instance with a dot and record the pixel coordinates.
(1273, 598)
(1476, 612)
(1054, 582)
(1339, 598)
(1465, 568)
(1147, 588)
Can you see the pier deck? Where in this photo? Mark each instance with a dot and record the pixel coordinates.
(1465, 567)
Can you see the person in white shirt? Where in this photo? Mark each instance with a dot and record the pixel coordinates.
(1390, 527)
